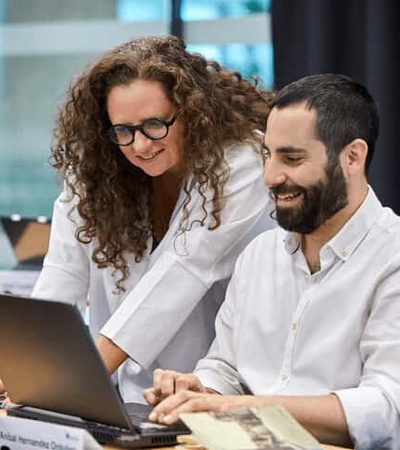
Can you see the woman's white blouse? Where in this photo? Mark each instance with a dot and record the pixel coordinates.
(165, 318)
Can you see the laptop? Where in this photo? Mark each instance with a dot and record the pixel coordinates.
(53, 372)
(29, 239)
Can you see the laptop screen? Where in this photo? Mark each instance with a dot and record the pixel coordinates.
(50, 366)
(49, 361)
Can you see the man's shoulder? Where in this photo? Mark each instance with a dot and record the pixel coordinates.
(386, 231)
(389, 220)
(379, 216)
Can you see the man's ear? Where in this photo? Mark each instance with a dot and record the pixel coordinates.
(354, 156)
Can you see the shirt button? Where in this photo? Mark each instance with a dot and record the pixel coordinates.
(284, 377)
(344, 252)
(294, 326)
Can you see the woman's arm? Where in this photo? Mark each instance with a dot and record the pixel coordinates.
(65, 273)
(186, 266)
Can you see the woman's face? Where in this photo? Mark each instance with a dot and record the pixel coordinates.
(135, 104)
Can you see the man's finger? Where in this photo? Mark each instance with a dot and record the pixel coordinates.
(188, 382)
(195, 403)
(168, 405)
(152, 396)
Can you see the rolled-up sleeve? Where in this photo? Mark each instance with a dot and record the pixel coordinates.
(372, 409)
(65, 273)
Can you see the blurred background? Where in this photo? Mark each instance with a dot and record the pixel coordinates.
(45, 43)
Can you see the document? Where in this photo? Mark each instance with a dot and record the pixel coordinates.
(257, 428)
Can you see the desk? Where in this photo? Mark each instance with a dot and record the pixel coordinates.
(188, 442)
(333, 447)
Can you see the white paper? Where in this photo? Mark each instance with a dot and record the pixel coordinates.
(18, 282)
(247, 429)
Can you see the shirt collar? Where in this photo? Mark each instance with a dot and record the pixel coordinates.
(351, 234)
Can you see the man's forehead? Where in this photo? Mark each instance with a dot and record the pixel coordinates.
(292, 130)
(296, 112)
(296, 122)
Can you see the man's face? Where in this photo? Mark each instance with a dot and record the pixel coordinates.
(308, 188)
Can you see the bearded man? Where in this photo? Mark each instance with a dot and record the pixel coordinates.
(311, 319)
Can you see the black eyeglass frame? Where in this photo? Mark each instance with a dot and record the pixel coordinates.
(141, 127)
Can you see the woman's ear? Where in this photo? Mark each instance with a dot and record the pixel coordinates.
(354, 156)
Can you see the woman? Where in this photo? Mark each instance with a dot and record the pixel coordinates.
(163, 189)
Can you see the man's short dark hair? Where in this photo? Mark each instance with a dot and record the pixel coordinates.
(345, 110)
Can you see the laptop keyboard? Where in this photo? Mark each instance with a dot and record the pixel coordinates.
(140, 422)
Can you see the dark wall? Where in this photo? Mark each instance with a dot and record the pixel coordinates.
(360, 38)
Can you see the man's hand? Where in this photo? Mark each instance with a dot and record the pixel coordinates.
(168, 410)
(321, 415)
(169, 382)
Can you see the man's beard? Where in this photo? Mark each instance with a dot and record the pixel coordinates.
(320, 201)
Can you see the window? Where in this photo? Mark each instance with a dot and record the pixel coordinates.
(44, 43)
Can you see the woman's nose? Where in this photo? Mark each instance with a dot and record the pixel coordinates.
(141, 143)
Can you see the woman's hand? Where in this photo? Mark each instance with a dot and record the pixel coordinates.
(112, 355)
(2, 388)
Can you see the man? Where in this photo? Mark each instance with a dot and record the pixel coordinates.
(311, 319)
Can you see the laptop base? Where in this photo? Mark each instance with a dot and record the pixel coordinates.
(104, 434)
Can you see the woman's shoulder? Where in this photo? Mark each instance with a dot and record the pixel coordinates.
(251, 145)
(244, 157)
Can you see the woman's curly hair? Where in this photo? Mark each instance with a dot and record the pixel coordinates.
(215, 106)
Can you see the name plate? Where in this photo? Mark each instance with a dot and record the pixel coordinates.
(25, 434)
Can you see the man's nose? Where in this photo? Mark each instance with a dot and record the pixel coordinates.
(274, 174)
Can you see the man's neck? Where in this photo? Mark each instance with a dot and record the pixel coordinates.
(312, 243)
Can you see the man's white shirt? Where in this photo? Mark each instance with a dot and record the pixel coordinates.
(285, 331)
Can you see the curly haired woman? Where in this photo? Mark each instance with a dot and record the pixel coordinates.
(157, 148)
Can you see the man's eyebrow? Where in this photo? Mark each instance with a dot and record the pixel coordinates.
(285, 149)
(290, 150)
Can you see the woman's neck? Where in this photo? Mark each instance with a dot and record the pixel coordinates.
(166, 189)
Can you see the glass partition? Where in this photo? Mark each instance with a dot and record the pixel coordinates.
(44, 43)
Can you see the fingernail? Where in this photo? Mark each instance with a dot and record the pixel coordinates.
(167, 419)
(153, 416)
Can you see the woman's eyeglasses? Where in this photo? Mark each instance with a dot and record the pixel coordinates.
(153, 129)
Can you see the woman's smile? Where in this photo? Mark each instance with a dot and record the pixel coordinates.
(150, 156)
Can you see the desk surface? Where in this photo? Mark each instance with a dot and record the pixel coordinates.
(189, 441)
